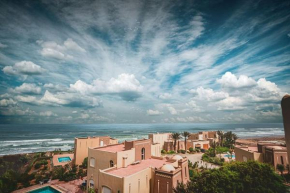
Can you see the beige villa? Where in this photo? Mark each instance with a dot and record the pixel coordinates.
(267, 152)
(83, 143)
(130, 167)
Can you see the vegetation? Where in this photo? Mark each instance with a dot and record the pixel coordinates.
(167, 152)
(280, 168)
(175, 136)
(85, 163)
(235, 177)
(185, 134)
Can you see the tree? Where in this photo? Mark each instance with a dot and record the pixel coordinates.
(237, 177)
(221, 137)
(230, 139)
(288, 168)
(85, 163)
(175, 136)
(185, 134)
(213, 146)
(281, 168)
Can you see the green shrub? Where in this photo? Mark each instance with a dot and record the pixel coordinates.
(171, 152)
(85, 163)
(191, 149)
(163, 151)
(182, 151)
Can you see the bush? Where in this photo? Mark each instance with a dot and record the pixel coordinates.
(171, 152)
(182, 151)
(163, 151)
(191, 149)
(85, 163)
(238, 177)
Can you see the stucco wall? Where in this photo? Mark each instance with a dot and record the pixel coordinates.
(81, 148)
(138, 182)
(102, 161)
(112, 182)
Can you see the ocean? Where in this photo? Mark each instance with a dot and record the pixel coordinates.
(16, 139)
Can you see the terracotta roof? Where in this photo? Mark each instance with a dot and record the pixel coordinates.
(132, 169)
(112, 148)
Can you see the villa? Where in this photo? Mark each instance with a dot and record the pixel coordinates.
(130, 167)
(267, 152)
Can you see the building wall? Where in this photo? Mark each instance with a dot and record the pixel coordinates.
(156, 150)
(114, 183)
(138, 145)
(81, 148)
(159, 138)
(242, 154)
(277, 158)
(285, 104)
(82, 145)
(139, 182)
(125, 158)
(168, 146)
(102, 161)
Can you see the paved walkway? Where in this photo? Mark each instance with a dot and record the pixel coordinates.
(197, 158)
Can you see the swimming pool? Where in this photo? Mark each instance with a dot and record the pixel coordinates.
(227, 155)
(64, 159)
(46, 189)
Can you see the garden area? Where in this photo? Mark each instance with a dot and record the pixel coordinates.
(21, 171)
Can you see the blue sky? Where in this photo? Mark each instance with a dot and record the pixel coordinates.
(143, 61)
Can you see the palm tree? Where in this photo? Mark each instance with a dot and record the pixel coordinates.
(221, 137)
(175, 136)
(281, 168)
(185, 134)
(213, 146)
(288, 168)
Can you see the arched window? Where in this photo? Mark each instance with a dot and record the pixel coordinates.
(92, 162)
(143, 153)
(111, 163)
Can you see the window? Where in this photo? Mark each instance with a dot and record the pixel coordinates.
(106, 190)
(102, 143)
(92, 162)
(282, 161)
(111, 163)
(245, 158)
(143, 153)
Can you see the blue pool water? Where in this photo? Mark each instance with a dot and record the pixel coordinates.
(46, 189)
(64, 159)
(233, 156)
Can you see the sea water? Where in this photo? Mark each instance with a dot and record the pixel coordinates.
(16, 139)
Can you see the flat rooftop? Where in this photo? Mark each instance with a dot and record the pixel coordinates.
(277, 147)
(132, 169)
(112, 148)
(250, 149)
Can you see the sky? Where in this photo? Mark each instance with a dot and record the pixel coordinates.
(145, 61)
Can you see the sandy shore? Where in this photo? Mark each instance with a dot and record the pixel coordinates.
(255, 140)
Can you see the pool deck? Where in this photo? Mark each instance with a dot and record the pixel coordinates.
(63, 187)
(57, 163)
(35, 187)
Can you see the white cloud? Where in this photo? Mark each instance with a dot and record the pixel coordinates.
(7, 102)
(172, 110)
(288, 35)
(230, 104)
(84, 116)
(51, 99)
(53, 50)
(153, 112)
(74, 112)
(209, 94)
(23, 68)
(3, 45)
(26, 99)
(48, 114)
(267, 85)
(126, 85)
(69, 99)
(231, 81)
(165, 96)
(27, 88)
